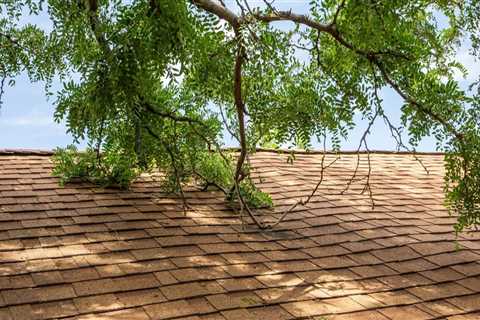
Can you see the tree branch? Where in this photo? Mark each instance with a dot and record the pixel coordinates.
(227, 126)
(373, 56)
(150, 108)
(94, 26)
(244, 206)
(3, 78)
(337, 12)
(240, 107)
(220, 11)
(332, 30)
(175, 169)
(448, 126)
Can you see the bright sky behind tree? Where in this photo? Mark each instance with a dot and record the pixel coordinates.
(26, 117)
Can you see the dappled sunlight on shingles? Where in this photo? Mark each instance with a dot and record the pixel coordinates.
(309, 308)
(323, 276)
(93, 253)
(216, 221)
(199, 261)
(297, 293)
(351, 287)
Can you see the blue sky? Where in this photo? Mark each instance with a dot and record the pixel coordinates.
(26, 117)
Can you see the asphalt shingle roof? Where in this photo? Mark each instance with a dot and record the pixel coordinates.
(81, 252)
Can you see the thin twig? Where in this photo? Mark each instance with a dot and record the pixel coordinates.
(337, 12)
(178, 118)
(367, 186)
(177, 178)
(314, 191)
(245, 207)
(363, 142)
(425, 110)
(175, 169)
(2, 88)
(394, 131)
(225, 122)
(209, 183)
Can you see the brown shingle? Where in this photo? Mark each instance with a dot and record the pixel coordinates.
(467, 303)
(270, 313)
(234, 300)
(394, 298)
(96, 303)
(197, 274)
(240, 284)
(373, 271)
(58, 309)
(21, 296)
(182, 291)
(314, 307)
(140, 297)
(169, 309)
(243, 270)
(395, 254)
(451, 258)
(439, 308)
(437, 291)
(125, 314)
(405, 312)
(362, 315)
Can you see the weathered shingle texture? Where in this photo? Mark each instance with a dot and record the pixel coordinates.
(80, 252)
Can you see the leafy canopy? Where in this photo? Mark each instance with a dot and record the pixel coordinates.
(153, 84)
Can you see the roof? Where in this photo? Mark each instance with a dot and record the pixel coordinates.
(81, 252)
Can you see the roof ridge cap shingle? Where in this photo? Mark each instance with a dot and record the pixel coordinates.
(302, 151)
(26, 152)
(43, 152)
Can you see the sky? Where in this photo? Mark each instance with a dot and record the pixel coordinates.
(26, 117)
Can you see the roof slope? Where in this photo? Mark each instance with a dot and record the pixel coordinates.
(80, 252)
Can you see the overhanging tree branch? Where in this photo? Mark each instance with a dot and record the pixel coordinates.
(172, 116)
(332, 30)
(373, 56)
(219, 10)
(425, 110)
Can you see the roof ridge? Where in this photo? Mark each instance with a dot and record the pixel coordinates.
(302, 151)
(43, 152)
(26, 152)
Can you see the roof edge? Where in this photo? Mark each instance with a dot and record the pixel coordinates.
(42, 152)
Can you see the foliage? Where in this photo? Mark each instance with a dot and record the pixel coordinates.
(153, 84)
(214, 169)
(254, 196)
(113, 167)
(24, 47)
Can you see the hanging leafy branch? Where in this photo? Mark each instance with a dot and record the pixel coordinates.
(153, 85)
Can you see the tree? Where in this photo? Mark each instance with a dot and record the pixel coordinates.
(151, 84)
